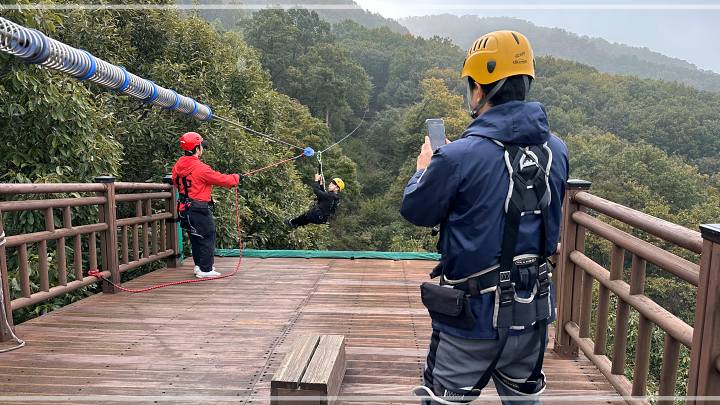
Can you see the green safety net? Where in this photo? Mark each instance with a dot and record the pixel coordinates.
(327, 254)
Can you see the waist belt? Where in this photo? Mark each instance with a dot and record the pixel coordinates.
(526, 270)
(197, 204)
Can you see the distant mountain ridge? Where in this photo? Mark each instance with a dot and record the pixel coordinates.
(228, 18)
(603, 55)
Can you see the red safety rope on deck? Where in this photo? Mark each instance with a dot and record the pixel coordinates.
(97, 273)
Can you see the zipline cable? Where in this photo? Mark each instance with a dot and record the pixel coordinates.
(362, 120)
(34, 47)
(258, 133)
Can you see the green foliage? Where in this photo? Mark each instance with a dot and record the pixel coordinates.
(389, 146)
(329, 83)
(229, 19)
(283, 37)
(298, 50)
(58, 113)
(675, 118)
(396, 63)
(638, 175)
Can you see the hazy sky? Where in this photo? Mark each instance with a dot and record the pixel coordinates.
(689, 31)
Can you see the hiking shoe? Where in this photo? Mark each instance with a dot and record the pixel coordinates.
(205, 274)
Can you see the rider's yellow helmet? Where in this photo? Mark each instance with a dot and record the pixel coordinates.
(339, 182)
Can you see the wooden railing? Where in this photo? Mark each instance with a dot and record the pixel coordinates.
(577, 274)
(153, 237)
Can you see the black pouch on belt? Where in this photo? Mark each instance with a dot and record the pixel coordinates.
(447, 305)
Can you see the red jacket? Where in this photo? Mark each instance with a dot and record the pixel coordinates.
(200, 178)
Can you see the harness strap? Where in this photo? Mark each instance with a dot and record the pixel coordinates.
(505, 292)
(485, 378)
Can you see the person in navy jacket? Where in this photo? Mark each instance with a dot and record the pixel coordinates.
(463, 186)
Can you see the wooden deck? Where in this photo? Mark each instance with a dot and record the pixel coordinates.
(221, 341)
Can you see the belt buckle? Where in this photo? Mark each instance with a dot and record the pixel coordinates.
(507, 292)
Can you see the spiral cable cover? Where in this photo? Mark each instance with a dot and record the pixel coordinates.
(34, 47)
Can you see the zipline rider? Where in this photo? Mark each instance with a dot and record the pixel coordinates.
(497, 194)
(325, 205)
(194, 181)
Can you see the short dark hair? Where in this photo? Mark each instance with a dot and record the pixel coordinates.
(192, 152)
(512, 90)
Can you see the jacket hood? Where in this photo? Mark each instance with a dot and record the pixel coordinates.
(517, 122)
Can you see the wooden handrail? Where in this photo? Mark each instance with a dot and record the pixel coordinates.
(17, 240)
(144, 219)
(49, 188)
(159, 238)
(142, 196)
(676, 265)
(660, 228)
(670, 323)
(578, 272)
(29, 205)
(142, 186)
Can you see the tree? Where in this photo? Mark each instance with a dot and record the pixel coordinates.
(330, 84)
(283, 37)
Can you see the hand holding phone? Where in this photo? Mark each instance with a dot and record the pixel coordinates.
(436, 132)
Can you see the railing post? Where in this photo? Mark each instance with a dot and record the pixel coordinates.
(6, 310)
(171, 230)
(108, 239)
(705, 359)
(569, 278)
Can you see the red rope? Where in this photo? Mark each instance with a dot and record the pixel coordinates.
(270, 166)
(97, 273)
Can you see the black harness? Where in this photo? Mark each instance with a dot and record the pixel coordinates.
(528, 194)
(183, 185)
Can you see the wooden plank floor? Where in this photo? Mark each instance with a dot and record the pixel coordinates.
(221, 341)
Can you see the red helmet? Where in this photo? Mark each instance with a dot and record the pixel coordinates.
(190, 140)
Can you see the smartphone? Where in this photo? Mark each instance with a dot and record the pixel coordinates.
(436, 132)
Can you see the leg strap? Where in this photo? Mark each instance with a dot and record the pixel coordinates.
(535, 384)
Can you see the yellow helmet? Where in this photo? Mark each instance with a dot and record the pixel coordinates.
(499, 55)
(339, 182)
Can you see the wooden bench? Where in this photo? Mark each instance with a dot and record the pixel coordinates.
(314, 367)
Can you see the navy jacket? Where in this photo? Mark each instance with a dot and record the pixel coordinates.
(464, 189)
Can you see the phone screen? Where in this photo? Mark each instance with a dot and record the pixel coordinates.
(436, 132)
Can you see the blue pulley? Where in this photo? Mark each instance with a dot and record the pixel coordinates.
(308, 152)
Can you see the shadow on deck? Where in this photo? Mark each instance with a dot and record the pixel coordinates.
(221, 341)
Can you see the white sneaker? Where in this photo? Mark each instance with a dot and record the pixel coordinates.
(205, 274)
(196, 270)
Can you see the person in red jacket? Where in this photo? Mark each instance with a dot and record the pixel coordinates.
(194, 181)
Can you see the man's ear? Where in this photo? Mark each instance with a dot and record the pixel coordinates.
(480, 92)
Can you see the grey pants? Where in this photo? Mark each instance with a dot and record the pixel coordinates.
(456, 364)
